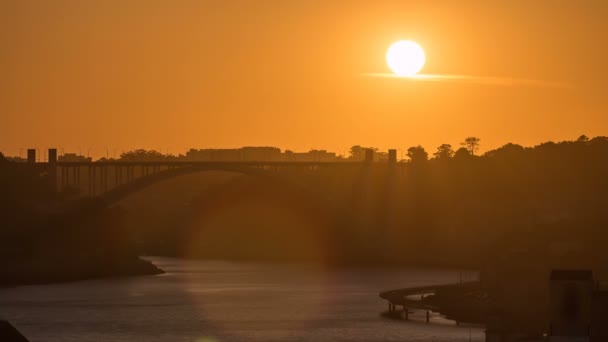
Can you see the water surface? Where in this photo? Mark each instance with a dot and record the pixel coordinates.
(206, 301)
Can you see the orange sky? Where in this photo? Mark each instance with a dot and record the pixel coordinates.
(177, 74)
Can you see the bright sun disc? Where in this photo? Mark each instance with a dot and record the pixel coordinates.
(405, 58)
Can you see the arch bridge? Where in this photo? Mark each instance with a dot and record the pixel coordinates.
(114, 180)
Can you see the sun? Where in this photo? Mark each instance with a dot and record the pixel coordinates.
(405, 58)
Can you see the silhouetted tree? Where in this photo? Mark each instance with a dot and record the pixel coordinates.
(582, 139)
(444, 151)
(417, 154)
(507, 151)
(599, 140)
(15, 159)
(462, 153)
(471, 144)
(453, 209)
(142, 155)
(357, 152)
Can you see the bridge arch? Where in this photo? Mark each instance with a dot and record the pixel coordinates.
(122, 191)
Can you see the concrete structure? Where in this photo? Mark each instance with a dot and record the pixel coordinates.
(258, 154)
(599, 315)
(52, 159)
(31, 155)
(52, 155)
(578, 312)
(86, 178)
(310, 156)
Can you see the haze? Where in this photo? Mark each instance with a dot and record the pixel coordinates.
(126, 74)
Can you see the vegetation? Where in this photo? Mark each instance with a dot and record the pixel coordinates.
(40, 243)
(457, 208)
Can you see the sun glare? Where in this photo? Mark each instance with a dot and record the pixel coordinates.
(405, 58)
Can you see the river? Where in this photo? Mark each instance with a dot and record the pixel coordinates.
(213, 301)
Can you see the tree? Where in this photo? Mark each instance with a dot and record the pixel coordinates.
(417, 154)
(444, 151)
(357, 152)
(462, 153)
(471, 144)
(142, 155)
(15, 159)
(509, 150)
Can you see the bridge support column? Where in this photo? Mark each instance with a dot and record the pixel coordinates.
(90, 181)
(53, 169)
(406, 313)
(428, 316)
(104, 178)
(77, 177)
(63, 180)
(31, 155)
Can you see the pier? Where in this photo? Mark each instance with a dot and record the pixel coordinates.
(427, 297)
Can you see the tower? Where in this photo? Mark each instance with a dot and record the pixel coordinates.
(31, 155)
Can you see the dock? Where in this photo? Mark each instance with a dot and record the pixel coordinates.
(403, 297)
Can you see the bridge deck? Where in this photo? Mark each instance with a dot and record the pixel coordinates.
(248, 163)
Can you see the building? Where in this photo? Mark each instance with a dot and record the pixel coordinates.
(578, 312)
(571, 293)
(250, 154)
(310, 156)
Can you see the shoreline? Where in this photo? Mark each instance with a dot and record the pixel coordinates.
(335, 264)
(26, 273)
(50, 272)
(458, 302)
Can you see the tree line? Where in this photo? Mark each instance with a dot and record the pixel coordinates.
(457, 205)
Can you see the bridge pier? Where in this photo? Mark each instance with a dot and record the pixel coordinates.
(428, 316)
(64, 178)
(31, 155)
(406, 313)
(52, 160)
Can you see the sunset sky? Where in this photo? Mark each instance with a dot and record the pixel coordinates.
(175, 74)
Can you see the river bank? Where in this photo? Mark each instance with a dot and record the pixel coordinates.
(49, 271)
